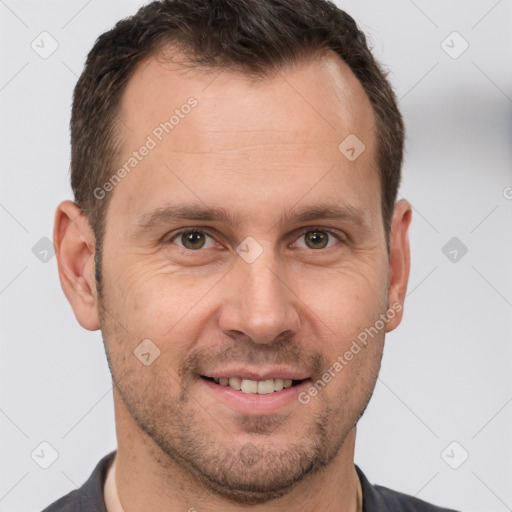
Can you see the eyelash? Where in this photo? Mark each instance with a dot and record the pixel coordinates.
(201, 231)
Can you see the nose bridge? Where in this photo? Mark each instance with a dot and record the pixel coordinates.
(262, 307)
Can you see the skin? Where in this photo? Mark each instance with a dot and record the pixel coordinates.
(260, 151)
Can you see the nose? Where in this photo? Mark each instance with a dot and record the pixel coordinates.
(258, 301)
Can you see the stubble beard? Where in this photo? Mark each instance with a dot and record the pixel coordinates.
(246, 473)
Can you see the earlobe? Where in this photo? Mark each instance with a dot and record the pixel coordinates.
(74, 249)
(399, 261)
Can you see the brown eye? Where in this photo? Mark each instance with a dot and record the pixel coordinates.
(317, 239)
(193, 240)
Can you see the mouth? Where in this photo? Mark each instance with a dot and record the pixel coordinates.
(255, 387)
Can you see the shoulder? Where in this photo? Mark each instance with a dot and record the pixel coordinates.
(377, 498)
(68, 503)
(89, 497)
(400, 502)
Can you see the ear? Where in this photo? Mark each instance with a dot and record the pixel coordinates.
(399, 261)
(74, 243)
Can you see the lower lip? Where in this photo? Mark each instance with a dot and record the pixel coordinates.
(252, 403)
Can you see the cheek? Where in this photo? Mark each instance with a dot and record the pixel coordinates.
(346, 301)
(161, 302)
(349, 317)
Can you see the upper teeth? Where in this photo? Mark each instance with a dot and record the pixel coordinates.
(260, 387)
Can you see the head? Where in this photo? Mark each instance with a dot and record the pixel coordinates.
(219, 218)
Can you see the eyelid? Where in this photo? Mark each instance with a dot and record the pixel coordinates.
(331, 231)
(191, 229)
(187, 230)
(306, 229)
(297, 234)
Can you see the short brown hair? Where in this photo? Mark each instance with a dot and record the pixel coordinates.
(250, 36)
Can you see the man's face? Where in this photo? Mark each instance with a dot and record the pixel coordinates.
(286, 304)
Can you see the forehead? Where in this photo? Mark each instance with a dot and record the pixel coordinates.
(253, 136)
(319, 88)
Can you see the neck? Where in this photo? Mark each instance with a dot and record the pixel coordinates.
(147, 479)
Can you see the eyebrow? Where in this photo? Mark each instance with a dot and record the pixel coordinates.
(341, 211)
(200, 212)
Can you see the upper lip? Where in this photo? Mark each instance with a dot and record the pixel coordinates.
(275, 372)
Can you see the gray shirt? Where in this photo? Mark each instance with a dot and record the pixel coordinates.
(89, 497)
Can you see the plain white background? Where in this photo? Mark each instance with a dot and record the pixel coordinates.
(446, 372)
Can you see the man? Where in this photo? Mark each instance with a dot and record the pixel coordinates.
(235, 235)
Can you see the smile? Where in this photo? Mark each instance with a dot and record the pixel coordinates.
(260, 387)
